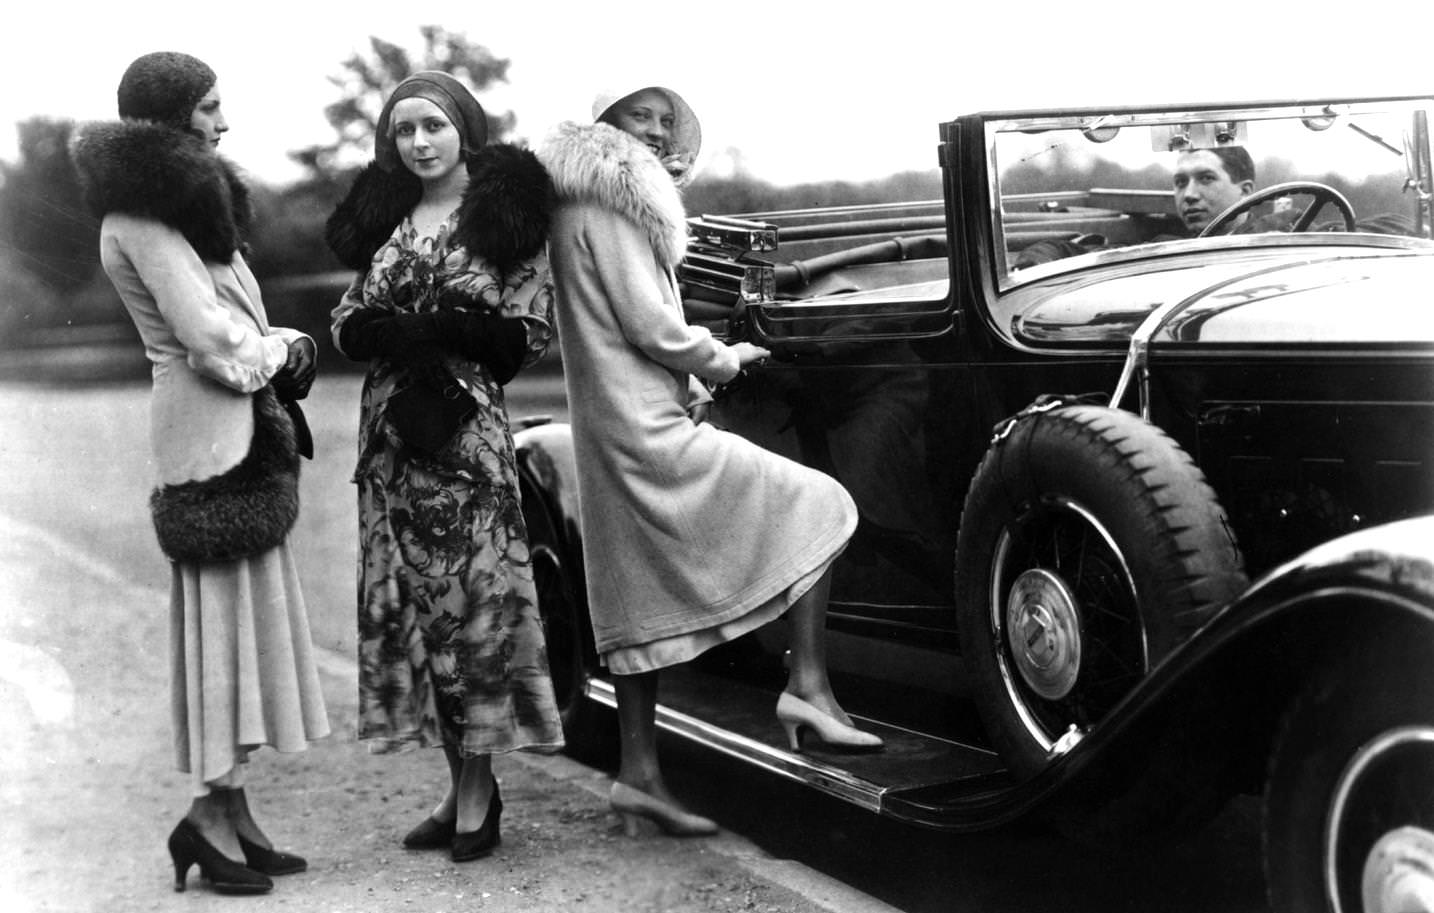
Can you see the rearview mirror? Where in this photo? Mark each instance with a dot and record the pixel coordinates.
(1186, 137)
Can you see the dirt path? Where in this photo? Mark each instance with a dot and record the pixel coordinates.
(88, 792)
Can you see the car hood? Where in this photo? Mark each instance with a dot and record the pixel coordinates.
(1287, 294)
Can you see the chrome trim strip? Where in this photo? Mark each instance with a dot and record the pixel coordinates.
(832, 780)
(1137, 360)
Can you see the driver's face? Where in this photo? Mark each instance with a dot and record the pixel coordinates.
(1203, 188)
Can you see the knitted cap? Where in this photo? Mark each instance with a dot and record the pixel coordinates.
(164, 86)
(450, 95)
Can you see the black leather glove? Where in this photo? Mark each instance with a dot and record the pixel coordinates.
(409, 338)
(497, 343)
(293, 380)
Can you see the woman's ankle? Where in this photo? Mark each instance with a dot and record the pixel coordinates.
(212, 819)
(820, 696)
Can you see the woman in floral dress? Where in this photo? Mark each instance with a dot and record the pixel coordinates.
(453, 297)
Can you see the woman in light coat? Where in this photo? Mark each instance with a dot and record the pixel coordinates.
(225, 451)
(691, 536)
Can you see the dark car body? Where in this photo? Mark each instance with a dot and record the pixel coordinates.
(1295, 369)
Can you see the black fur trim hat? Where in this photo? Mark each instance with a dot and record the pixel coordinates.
(164, 86)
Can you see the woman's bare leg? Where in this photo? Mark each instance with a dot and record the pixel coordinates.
(212, 815)
(447, 808)
(640, 791)
(807, 678)
(473, 791)
(637, 733)
(244, 823)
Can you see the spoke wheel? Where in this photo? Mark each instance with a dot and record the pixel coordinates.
(1090, 547)
(1349, 805)
(1072, 642)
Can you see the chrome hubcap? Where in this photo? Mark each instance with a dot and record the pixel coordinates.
(1043, 625)
(1382, 801)
(1399, 873)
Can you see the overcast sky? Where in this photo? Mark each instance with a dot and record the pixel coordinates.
(806, 90)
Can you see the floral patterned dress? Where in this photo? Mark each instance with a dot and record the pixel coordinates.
(451, 648)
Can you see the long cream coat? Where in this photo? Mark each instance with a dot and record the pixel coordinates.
(685, 527)
(209, 341)
(240, 657)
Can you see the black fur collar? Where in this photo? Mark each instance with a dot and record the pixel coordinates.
(160, 172)
(502, 219)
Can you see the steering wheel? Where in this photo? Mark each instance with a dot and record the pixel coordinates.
(1322, 194)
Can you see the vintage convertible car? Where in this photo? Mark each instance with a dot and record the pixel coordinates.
(1075, 435)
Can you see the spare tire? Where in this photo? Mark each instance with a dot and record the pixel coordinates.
(1090, 547)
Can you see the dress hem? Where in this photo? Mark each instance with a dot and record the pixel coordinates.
(754, 596)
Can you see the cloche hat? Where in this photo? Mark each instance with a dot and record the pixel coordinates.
(450, 95)
(164, 86)
(687, 131)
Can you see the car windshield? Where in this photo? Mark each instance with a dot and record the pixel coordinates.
(1073, 189)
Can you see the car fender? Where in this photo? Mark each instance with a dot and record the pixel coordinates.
(547, 472)
(1208, 715)
(1200, 728)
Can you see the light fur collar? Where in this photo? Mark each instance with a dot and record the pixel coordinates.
(598, 163)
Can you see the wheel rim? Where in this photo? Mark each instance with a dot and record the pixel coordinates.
(1379, 839)
(1070, 640)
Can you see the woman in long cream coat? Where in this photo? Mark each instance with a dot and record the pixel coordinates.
(691, 536)
(225, 453)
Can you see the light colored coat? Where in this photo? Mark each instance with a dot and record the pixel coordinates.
(684, 526)
(206, 334)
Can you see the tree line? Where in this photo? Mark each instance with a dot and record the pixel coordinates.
(49, 243)
(50, 275)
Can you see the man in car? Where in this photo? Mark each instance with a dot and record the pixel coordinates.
(1209, 181)
(1206, 182)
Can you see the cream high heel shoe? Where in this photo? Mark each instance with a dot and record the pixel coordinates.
(633, 805)
(797, 715)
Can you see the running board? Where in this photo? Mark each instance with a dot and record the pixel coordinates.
(916, 777)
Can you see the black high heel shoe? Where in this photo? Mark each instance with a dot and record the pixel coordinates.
(468, 845)
(431, 834)
(188, 847)
(271, 861)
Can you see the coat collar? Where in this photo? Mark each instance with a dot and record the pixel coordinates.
(502, 219)
(159, 172)
(601, 164)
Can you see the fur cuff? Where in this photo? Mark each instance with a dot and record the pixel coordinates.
(243, 511)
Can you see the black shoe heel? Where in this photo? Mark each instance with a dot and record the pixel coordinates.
(187, 847)
(469, 845)
(270, 861)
